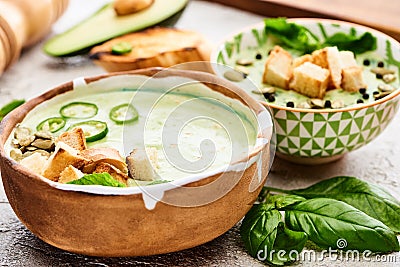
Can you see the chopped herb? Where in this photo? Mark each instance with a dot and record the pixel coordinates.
(121, 48)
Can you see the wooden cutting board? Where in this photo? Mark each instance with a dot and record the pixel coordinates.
(383, 15)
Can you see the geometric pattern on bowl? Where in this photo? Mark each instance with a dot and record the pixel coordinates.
(307, 134)
(315, 134)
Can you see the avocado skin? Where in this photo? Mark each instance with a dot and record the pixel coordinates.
(55, 46)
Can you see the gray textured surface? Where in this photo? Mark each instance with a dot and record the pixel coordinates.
(378, 162)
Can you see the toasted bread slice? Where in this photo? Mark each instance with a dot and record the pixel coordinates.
(278, 68)
(74, 138)
(155, 47)
(114, 172)
(310, 80)
(142, 164)
(95, 156)
(353, 79)
(329, 58)
(125, 7)
(70, 173)
(63, 156)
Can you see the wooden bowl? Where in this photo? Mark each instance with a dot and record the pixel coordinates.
(103, 221)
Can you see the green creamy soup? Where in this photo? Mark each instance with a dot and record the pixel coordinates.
(192, 133)
(258, 55)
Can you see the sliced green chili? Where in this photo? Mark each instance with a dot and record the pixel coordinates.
(52, 124)
(93, 130)
(124, 113)
(79, 110)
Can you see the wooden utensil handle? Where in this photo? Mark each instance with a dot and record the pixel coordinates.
(23, 23)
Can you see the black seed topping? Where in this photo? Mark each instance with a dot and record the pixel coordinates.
(366, 62)
(379, 76)
(271, 98)
(381, 64)
(328, 104)
(360, 101)
(290, 104)
(269, 52)
(258, 56)
(365, 96)
(375, 93)
(362, 90)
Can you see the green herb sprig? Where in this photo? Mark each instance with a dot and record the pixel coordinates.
(298, 37)
(366, 216)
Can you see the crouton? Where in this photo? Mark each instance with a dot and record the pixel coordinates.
(278, 68)
(74, 138)
(35, 162)
(301, 60)
(353, 79)
(70, 173)
(109, 155)
(329, 58)
(310, 80)
(347, 59)
(63, 156)
(114, 172)
(141, 164)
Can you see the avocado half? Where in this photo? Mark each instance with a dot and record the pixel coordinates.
(105, 24)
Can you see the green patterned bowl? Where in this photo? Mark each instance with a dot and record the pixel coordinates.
(315, 136)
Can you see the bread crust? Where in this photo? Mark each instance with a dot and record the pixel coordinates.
(155, 47)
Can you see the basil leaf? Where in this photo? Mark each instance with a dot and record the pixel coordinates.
(282, 201)
(358, 45)
(287, 241)
(298, 37)
(326, 221)
(371, 199)
(98, 179)
(292, 35)
(259, 228)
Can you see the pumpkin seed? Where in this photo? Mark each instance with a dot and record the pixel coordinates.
(388, 78)
(265, 90)
(381, 95)
(243, 70)
(16, 154)
(386, 88)
(30, 148)
(339, 103)
(44, 135)
(316, 103)
(234, 76)
(45, 144)
(382, 71)
(304, 105)
(244, 62)
(24, 136)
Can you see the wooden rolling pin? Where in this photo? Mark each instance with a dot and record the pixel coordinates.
(23, 23)
(382, 15)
